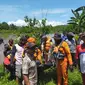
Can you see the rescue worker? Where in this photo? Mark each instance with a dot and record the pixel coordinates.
(80, 57)
(63, 58)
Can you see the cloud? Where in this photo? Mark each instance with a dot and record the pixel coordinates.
(50, 11)
(55, 23)
(23, 23)
(18, 23)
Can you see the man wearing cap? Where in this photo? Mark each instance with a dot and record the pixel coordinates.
(17, 53)
(29, 68)
(63, 57)
(80, 57)
(72, 45)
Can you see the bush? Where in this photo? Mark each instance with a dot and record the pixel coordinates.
(75, 78)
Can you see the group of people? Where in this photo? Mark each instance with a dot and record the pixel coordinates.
(20, 61)
(23, 58)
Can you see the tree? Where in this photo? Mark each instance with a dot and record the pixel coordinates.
(78, 21)
(43, 22)
(5, 26)
(31, 22)
(26, 19)
(12, 27)
(0, 26)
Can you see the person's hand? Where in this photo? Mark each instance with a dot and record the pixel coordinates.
(71, 68)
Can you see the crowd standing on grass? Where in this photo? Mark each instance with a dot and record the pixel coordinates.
(24, 58)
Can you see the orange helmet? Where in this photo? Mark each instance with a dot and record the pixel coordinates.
(31, 40)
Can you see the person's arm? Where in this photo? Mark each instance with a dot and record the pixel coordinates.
(68, 53)
(13, 54)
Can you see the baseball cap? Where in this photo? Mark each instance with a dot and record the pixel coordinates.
(71, 34)
(57, 36)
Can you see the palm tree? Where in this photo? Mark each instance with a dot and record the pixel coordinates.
(78, 21)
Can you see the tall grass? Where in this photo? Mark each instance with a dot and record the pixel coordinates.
(47, 76)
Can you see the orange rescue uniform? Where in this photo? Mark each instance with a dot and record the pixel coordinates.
(62, 64)
(38, 55)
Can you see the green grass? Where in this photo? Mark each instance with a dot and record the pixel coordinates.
(4, 78)
(46, 77)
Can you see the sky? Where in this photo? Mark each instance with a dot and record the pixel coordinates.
(57, 12)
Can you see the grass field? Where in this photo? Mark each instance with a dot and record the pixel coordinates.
(46, 77)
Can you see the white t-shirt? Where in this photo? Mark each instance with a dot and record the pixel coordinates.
(81, 41)
(18, 54)
(82, 62)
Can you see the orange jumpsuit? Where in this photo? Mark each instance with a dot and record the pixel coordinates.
(62, 64)
(38, 55)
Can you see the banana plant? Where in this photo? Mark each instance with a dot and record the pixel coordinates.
(78, 21)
